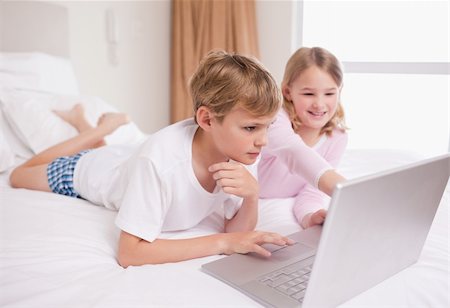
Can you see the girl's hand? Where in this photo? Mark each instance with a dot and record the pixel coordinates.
(251, 241)
(312, 219)
(235, 179)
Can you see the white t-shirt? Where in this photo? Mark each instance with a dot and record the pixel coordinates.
(153, 186)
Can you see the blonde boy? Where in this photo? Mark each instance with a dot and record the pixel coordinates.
(180, 174)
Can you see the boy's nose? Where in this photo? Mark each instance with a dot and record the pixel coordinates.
(261, 140)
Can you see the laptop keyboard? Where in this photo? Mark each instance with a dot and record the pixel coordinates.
(290, 280)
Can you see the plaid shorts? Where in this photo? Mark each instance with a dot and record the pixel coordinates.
(60, 174)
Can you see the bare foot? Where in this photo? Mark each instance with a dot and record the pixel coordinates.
(110, 121)
(75, 117)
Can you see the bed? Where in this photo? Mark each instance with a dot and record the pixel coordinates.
(57, 251)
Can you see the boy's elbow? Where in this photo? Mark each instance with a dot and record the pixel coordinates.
(127, 257)
(14, 179)
(133, 256)
(126, 253)
(124, 260)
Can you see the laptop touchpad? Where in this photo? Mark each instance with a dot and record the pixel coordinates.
(297, 250)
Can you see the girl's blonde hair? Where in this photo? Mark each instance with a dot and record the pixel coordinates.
(300, 61)
(223, 80)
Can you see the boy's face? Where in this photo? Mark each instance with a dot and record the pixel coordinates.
(241, 135)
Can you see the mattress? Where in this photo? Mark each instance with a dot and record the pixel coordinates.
(57, 251)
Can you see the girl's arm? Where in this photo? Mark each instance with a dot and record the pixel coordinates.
(286, 145)
(309, 200)
(333, 155)
(328, 181)
(135, 251)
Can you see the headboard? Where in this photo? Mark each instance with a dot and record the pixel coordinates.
(34, 26)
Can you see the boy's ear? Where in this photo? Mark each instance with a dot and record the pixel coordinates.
(204, 117)
(286, 93)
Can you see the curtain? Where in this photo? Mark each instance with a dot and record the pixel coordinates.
(199, 26)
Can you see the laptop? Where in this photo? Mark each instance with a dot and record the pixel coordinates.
(375, 227)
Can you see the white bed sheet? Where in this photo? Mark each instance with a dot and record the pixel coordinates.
(57, 251)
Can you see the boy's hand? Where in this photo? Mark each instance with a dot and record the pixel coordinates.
(235, 179)
(251, 241)
(312, 219)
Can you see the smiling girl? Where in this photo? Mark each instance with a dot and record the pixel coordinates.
(312, 117)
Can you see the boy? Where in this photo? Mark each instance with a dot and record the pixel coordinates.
(179, 175)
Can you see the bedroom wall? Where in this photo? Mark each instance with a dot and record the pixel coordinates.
(138, 82)
(276, 35)
(134, 73)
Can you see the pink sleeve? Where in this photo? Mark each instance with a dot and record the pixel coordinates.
(309, 199)
(287, 146)
(336, 148)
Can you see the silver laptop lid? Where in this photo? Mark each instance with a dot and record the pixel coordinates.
(375, 227)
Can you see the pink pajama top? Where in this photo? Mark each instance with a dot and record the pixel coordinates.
(290, 168)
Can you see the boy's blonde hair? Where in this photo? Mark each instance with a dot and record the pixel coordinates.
(224, 80)
(300, 61)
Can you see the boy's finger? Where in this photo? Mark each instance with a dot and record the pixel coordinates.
(226, 183)
(222, 166)
(224, 174)
(277, 239)
(259, 250)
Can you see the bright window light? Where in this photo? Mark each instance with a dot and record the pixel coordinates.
(396, 58)
(379, 31)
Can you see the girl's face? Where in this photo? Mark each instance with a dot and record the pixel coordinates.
(315, 96)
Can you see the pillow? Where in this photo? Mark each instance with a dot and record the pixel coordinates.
(30, 115)
(38, 71)
(15, 144)
(18, 80)
(6, 154)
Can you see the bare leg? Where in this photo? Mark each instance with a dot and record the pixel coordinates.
(76, 117)
(33, 175)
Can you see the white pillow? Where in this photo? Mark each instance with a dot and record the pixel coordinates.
(19, 80)
(38, 71)
(20, 150)
(7, 157)
(30, 115)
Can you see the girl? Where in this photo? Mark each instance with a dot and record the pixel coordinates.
(311, 116)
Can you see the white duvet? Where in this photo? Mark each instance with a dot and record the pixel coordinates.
(57, 251)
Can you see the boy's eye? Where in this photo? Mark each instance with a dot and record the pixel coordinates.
(330, 94)
(250, 128)
(308, 94)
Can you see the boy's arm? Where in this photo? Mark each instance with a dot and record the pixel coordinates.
(135, 251)
(246, 217)
(235, 179)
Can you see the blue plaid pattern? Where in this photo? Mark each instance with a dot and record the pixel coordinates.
(60, 174)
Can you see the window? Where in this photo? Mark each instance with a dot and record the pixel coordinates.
(396, 58)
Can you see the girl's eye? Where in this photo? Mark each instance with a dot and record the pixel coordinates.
(249, 128)
(330, 94)
(308, 94)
